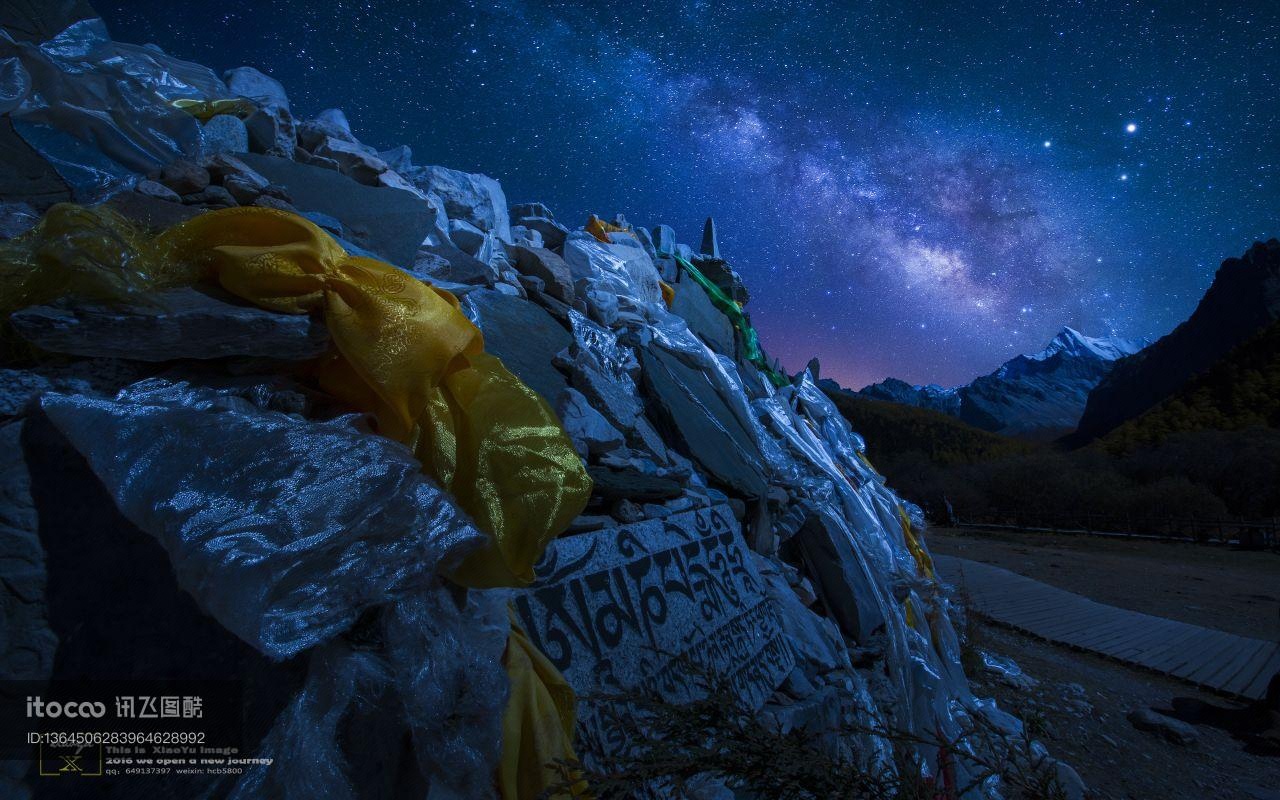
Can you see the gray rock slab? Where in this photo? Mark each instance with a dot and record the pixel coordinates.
(524, 336)
(631, 484)
(184, 323)
(552, 232)
(703, 422)
(253, 84)
(1173, 730)
(704, 319)
(655, 606)
(389, 222)
(589, 431)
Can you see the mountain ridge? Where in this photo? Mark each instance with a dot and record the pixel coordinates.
(1038, 395)
(1243, 299)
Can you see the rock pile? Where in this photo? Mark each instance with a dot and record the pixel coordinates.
(736, 529)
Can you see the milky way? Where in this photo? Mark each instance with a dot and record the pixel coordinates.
(907, 189)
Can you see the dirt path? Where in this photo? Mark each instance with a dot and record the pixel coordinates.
(1079, 705)
(1230, 590)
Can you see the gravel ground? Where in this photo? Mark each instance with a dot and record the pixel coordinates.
(1081, 701)
(1230, 590)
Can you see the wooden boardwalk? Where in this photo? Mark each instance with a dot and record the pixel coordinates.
(1222, 662)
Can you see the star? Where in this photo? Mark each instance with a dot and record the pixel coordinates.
(1131, 128)
(1048, 143)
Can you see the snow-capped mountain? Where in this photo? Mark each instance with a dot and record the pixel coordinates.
(1040, 395)
(1074, 343)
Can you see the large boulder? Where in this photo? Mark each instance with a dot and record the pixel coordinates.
(524, 336)
(353, 159)
(225, 134)
(589, 431)
(389, 222)
(262, 89)
(470, 197)
(449, 264)
(331, 122)
(182, 323)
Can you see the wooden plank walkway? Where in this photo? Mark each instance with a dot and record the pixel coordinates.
(1222, 662)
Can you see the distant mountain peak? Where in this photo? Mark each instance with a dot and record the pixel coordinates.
(1039, 395)
(1074, 343)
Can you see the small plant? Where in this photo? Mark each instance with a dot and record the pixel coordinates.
(673, 746)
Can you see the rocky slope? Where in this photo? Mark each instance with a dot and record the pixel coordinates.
(247, 523)
(1038, 396)
(1243, 299)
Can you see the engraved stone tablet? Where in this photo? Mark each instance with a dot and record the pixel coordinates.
(658, 606)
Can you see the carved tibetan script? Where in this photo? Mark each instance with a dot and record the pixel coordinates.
(657, 607)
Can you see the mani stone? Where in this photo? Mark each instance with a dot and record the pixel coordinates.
(183, 323)
(657, 606)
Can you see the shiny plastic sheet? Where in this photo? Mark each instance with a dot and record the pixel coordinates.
(621, 268)
(439, 679)
(99, 110)
(307, 759)
(282, 530)
(446, 648)
(672, 333)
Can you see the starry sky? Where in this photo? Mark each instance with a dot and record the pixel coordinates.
(909, 188)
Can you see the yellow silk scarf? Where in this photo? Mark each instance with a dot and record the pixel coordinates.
(406, 353)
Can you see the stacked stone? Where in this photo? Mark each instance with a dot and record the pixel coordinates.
(747, 512)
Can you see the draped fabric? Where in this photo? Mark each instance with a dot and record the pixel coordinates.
(539, 726)
(406, 353)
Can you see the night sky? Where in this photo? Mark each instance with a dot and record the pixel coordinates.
(906, 190)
